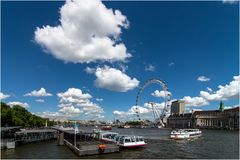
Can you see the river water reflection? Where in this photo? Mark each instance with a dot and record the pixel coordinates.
(216, 144)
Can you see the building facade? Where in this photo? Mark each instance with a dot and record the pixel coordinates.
(228, 119)
(177, 107)
(212, 119)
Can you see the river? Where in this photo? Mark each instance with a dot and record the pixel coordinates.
(214, 144)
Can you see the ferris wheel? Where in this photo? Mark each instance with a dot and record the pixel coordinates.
(166, 108)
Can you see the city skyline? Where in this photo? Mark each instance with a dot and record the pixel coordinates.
(87, 60)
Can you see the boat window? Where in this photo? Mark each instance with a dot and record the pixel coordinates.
(121, 140)
(133, 139)
(137, 139)
(127, 140)
(140, 139)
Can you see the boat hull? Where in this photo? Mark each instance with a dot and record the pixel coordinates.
(132, 146)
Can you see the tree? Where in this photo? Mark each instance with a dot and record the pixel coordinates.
(19, 116)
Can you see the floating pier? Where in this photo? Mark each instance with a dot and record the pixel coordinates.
(85, 143)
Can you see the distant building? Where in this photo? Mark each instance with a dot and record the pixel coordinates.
(214, 119)
(178, 107)
(228, 118)
(180, 121)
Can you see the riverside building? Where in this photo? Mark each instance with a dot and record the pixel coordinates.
(210, 119)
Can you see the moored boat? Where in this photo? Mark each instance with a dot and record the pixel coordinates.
(106, 128)
(107, 136)
(124, 126)
(185, 134)
(127, 141)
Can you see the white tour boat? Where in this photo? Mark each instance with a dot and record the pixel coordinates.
(185, 133)
(127, 141)
(105, 136)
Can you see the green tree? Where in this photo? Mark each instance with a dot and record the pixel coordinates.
(19, 116)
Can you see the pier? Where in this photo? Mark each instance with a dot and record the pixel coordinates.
(13, 136)
(84, 143)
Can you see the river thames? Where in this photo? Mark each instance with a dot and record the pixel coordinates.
(214, 144)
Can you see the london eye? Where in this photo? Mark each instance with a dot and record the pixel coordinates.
(158, 114)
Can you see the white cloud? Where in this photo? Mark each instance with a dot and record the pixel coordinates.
(53, 115)
(229, 91)
(209, 89)
(203, 79)
(99, 99)
(131, 113)
(171, 64)
(40, 93)
(90, 70)
(24, 105)
(123, 67)
(150, 68)
(3, 96)
(118, 113)
(88, 32)
(230, 1)
(163, 94)
(70, 110)
(74, 101)
(73, 95)
(158, 106)
(195, 101)
(114, 80)
(40, 100)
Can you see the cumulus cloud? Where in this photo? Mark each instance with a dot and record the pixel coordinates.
(229, 91)
(195, 101)
(3, 96)
(90, 70)
(99, 99)
(203, 79)
(24, 105)
(158, 106)
(40, 93)
(88, 32)
(230, 1)
(73, 95)
(209, 89)
(131, 113)
(171, 64)
(72, 111)
(123, 67)
(163, 94)
(40, 100)
(150, 68)
(114, 80)
(74, 101)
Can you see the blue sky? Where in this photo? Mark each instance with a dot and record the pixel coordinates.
(180, 40)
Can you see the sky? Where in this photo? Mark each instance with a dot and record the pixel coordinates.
(88, 59)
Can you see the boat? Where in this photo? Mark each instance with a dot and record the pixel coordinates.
(106, 136)
(185, 134)
(124, 126)
(106, 128)
(127, 141)
(66, 128)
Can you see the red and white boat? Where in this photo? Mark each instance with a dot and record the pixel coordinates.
(106, 128)
(127, 141)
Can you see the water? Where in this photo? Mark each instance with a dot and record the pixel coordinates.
(217, 144)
